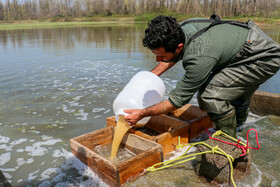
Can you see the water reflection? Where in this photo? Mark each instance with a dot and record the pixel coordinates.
(128, 38)
(273, 32)
(116, 38)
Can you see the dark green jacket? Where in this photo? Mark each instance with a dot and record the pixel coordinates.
(212, 50)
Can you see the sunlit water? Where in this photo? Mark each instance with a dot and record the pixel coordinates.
(59, 83)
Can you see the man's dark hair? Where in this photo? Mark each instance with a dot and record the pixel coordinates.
(163, 31)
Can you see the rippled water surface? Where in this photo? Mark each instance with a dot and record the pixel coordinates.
(59, 83)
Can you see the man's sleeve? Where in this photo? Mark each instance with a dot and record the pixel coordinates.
(197, 72)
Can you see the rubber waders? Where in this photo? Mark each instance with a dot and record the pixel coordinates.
(241, 117)
(227, 124)
(241, 110)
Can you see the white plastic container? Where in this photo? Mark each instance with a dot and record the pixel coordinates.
(143, 90)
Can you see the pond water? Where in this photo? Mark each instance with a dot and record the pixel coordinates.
(59, 83)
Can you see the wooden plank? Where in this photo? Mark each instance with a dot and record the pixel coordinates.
(111, 121)
(134, 167)
(188, 112)
(164, 123)
(161, 123)
(90, 140)
(101, 166)
(106, 169)
(170, 140)
(137, 144)
(198, 126)
(147, 153)
(184, 132)
(165, 140)
(141, 134)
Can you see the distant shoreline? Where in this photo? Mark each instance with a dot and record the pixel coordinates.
(68, 22)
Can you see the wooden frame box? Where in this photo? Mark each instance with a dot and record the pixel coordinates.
(186, 122)
(147, 153)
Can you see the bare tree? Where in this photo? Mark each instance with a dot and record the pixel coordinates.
(36, 9)
(1, 11)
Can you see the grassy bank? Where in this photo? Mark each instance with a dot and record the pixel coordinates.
(64, 22)
(36, 24)
(114, 19)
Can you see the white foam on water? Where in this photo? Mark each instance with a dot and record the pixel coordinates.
(4, 139)
(83, 170)
(20, 150)
(58, 153)
(107, 111)
(59, 84)
(274, 183)
(65, 109)
(82, 114)
(4, 158)
(16, 142)
(95, 110)
(35, 132)
(37, 150)
(10, 169)
(95, 92)
(67, 92)
(46, 174)
(21, 161)
(32, 176)
(6, 147)
(77, 98)
(45, 137)
(73, 103)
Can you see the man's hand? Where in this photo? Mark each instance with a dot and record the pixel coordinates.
(137, 114)
(134, 116)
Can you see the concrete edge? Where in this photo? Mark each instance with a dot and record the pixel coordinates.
(265, 103)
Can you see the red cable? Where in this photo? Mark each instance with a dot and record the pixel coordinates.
(242, 147)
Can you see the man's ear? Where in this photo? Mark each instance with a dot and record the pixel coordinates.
(180, 47)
